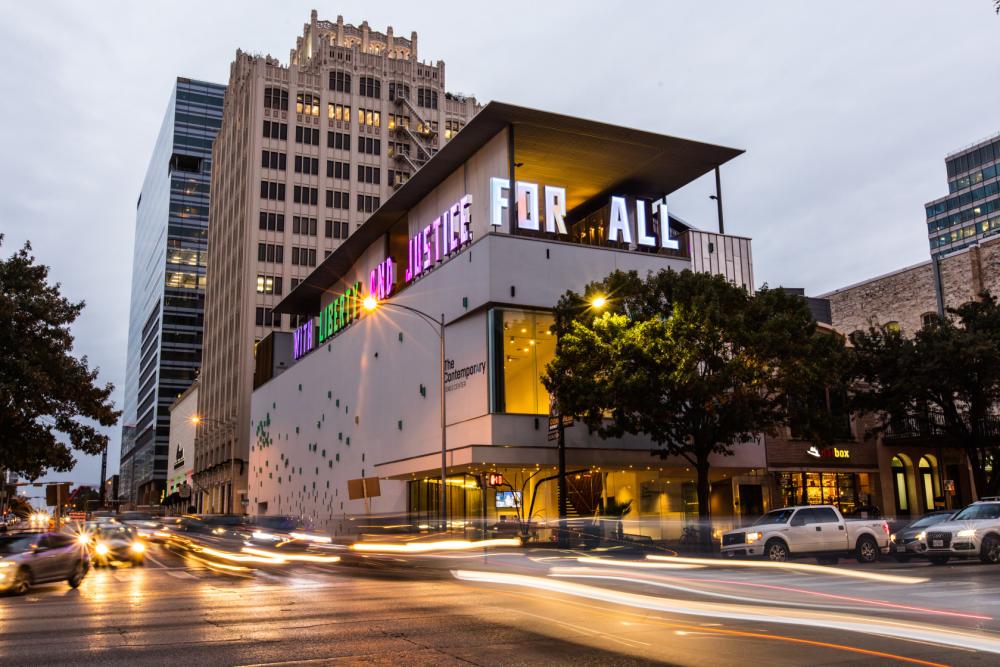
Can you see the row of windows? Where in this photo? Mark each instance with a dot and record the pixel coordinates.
(338, 199)
(272, 160)
(340, 81)
(306, 135)
(306, 165)
(272, 222)
(400, 90)
(974, 178)
(269, 252)
(964, 199)
(451, 128)
(966, 232)
(336, 169)
(369, 86)
(369, 145)
(982, 155)
(369, 117)
(340, 140)
(307, 104)
(427, 97)
(302, 194)
(267, 318)
(398, 120)
(964, 215)
(303, 256)
(368, 203)
(340, 112)
(397, 148)
(368, 174)
(335, 229)
(272, 190)
(275, 130)
(276, 98)
(269, 285)
(304, 226)
(397, 177)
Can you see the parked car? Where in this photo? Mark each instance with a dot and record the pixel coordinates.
(809, 530)
(974, 531)
(908, 541)
(38, 558)
(110, 542)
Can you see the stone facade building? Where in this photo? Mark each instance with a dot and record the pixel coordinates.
(306, 153)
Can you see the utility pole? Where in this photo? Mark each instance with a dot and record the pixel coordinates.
(718, 199)
(104, 474)
(561, 430)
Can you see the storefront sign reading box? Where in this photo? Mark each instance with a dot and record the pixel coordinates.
(620, 223)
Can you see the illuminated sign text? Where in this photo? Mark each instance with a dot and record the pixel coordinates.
(340, 312)
(445, 235)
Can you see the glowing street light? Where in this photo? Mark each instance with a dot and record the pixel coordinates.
(598, 302)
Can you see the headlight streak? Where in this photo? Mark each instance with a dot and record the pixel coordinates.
(138, 547)
(101, 549)
(795, 567)
(907, 631)
(643, 564)
(309, 537)
(441, 545)
(289, 557)
(666, 582)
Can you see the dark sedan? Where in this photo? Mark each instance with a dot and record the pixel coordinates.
(907, 542)
(38, 558)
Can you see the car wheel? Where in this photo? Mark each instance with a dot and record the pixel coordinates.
(776, 551)
(938, 560)
(22, 582)
(867, 549)
(902, 559)
(76, 577)
(990, 551)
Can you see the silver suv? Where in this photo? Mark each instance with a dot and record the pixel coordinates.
(28, 559)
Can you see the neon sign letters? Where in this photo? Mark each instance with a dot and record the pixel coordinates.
(340, 312)
(444, 236)
(619, 224)
(382, 278)
(303, 339)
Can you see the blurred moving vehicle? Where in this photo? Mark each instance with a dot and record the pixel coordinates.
(38, 558)
(110, 542)
(809, 530)
(973, 531)
(908, 541)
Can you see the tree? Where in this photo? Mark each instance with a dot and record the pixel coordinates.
(944, 381)
(690, 360)
(45, 391)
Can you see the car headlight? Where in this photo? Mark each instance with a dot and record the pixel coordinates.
(753, 537)
(968, 532)
(261, 535)
(922, 535)
(892, 538)
(83, 539)
(138, 547)
(101, 549)
(6, 563)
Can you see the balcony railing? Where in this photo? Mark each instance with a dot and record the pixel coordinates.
(914, 428)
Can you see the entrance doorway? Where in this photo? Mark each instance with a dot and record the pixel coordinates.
(899, 486)
(751, 500)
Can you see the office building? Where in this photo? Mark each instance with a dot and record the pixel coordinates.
(306, 153)
(168, 284)
(487, 235)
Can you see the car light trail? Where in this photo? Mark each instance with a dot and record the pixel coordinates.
(308, 537)
(292, 557)
(670, 582)
(644, 564)
(442, 545)
(908, 631)
(795, 567)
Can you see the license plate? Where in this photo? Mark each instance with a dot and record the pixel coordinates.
(901, 550)
(937, 543)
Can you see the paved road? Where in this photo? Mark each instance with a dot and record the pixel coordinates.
(177, 611)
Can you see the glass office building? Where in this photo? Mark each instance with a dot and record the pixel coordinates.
(971, 210)
(168, 284)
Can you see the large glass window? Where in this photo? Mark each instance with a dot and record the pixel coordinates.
(522, 344)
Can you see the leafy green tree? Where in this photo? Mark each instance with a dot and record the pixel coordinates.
(693, 362)
(944, 381)
(46, 394)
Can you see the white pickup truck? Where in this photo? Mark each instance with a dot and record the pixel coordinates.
(820, 531)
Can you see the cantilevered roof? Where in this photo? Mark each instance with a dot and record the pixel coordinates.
(592, 159)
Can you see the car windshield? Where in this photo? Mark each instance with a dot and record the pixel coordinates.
(234, 520)
(16, 545)
(278, 522)
(775, 516)
(923, 522)
(979, 512)
(114, 531)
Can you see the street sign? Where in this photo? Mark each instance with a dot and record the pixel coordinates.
(495, 479)
(567, 421)
(363, 487)
(77, 516)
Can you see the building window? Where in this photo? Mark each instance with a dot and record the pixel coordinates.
(369, 145)
(306, 135)
(398, 120)
(368, 203)
(338, 140)
(267, 318)
(272, 190)
(338, 199)
(302, 194)
(306, 165)
(304, 226)
(521, 346)
(303, 256)
(398, 90)
(369, 86)
(892, 326)
(451, 128)
(272, 222)
(397, 177)
(369, 118)
(427, 98)
(900, 486)
(275, 130)
(397, 148)
(269, 285)
(335, 169)
(335, 229)
(339, 112)
(340, 82)
(272, 160)
(848, 491)
(276, 98)
(927, 319)
(307, 104)
(269, 252)
(368, 174)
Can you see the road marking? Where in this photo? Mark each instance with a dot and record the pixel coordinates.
(181, 575)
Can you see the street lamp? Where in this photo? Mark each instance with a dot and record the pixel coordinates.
(599, 301)
(371, 304)
(198, 420)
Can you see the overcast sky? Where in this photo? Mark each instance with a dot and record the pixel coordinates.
(846, 111)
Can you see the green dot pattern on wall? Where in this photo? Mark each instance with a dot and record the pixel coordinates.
(338, 456)
(337, 403)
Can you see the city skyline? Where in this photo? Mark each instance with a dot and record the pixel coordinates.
(813, 185)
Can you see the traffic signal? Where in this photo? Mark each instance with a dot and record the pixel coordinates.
(56, 494)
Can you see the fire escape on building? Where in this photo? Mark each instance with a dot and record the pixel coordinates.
(422, 139)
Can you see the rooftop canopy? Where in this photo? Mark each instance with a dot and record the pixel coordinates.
(594, 159)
